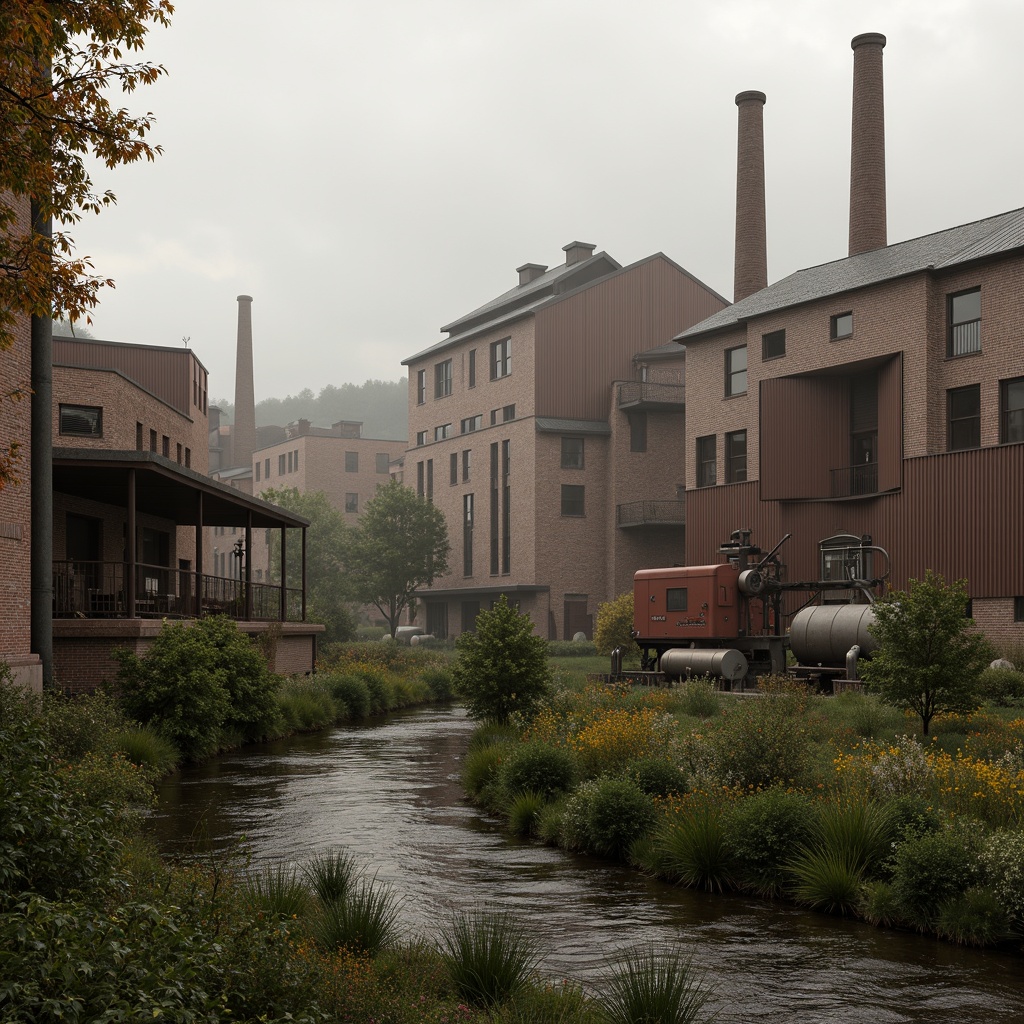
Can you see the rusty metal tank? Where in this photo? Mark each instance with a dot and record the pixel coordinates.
(688, 661)
(822, 634)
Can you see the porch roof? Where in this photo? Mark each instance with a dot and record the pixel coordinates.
(162, 488)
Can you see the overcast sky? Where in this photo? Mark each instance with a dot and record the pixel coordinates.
(369, 171)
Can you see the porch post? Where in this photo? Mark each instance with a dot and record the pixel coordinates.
(284, 581)
(129, 583)
(247, 561)
(303, 574)
(198, 574)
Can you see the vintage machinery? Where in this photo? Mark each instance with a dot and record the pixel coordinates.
(729, 620)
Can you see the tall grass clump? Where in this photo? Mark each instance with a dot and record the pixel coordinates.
(699, 698)
(331, 874)
(827, 879)
(524, 812)
(276, 891)
(352, 693)
(657, 776)
(148, 749)
(860, 832)
(305, 705)
(481, 772)
(692, 848)
(975, 918)
(489, 956)
(439, 680)
(365, 920)
(648, 985)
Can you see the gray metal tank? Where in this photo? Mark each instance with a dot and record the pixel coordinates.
(683, 661)
(822, 634)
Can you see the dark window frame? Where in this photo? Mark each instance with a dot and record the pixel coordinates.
(735, 461)
(637, 430)
(1018, 609)
(835, 326)
(351, 462)
(84, 412)
(573, 457)
(1011, 427)
(501, 358)
(677, 599)
(443, 379)
(453, 469)
(770, 345)
(963, 336)
(735, 376)
(573, 498)
(421, 387)
(707, 468)
(352, 501)
(958, 421)
(382, 462)
(472, 368)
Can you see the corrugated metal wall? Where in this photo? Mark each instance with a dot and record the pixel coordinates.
(165, 372)
(959, 513)
(589, 339)
(890, 424)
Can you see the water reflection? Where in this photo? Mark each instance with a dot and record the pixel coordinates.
(390, 793)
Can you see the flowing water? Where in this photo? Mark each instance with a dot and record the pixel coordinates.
(390, 793)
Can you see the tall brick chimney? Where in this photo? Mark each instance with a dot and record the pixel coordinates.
(751, 270)
(867, 151)
(243, 434)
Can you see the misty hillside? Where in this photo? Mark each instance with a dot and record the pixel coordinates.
(381, 406)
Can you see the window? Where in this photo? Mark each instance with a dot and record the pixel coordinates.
(501, 358)
(964, 323)
(508, 412)
(638, 431)
(419, 479)
(421, 386)
(964, 417)
(443, 379)
(188, 458)
(453, 473)
(430, 479)
(572, 499)
(281, 464)
(421, 438)
(257, 470)
(82, 421)
(676, 599)
(572, 453)
(736, 457)
(443, 431)
(707, 466)
(471, 423)
(494, 508)
(290, 463)
(152, 440)
(138, 437)
(841, 326)
(773, 345)
(1011, 410)
(351, 502)
(177, 453)
(467, 535)
(165, 446)
(296, 460)
(1018, 609)
(472, 368)
(466, 461)
(381, 462)
(506, 507)
(266, 468)
(736, 371)
(351, 462)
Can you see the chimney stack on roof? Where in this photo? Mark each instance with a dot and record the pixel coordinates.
(243, 436)
(751, 255)
(867, 152)
(530, 272)
(577, 252)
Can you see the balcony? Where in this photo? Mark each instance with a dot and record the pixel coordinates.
(652, 396)
(651, 513)
(96, 590)
(855, 481)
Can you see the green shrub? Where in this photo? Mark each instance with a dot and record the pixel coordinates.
(72, 726)
(111, 785)
(275, 891)
(364, 921)
(975, 918)
(305, 704)
(1003, 687)
(382, 695)
(502, 666)
(146, 748)
(878, 904)
(615, 625)
(764, 832)
(617, 815)
(656, 776)
(1002, 858)
(648, 984)
(524, 811)
(480, 770)
(934, 868)
(352, 693)
(440, 682)
(548, 1003)
(692, 849)
(330, 874)
(488, 733)
(574, 829)
(489, 956)
(826, 879)
(912, 816)
(539, 768)
(548, 824)
(571, 649)
(699, 698)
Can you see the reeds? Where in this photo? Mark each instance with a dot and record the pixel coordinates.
(364, 920)
(648, 984)
(275, 891)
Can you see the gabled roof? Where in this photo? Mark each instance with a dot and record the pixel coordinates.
(940, 251)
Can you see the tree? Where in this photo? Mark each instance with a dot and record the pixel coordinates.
(615, 625)
(502, 665)
(400, 545)
(327, 542)
(930, 654)
(58, 61)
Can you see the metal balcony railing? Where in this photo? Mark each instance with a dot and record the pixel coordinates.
(651, 513)
(849, 481)
(965, 338)
(635, 393)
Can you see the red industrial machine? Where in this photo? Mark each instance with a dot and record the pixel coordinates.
(729, 620)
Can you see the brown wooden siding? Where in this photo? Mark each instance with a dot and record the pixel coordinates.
(589, 339)
(959, 513)
(164, 372)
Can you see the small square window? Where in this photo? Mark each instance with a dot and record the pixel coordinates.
(351, 462)
(676, 599)
(773, 345)
(736, 371)
(82, 421)
(381, 462)
(508, 412)
(351, 502)
(471, 423)
(421, 438)
(841, 326)
(443, 431)
(572, 453)
(572, 500)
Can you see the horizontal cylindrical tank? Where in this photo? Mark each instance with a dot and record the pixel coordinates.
(682, 661)
(822, 634)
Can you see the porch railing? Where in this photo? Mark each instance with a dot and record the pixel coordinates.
(852, 480)
(93, 590)
(651, 513)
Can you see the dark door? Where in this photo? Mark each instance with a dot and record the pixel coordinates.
(84, 551)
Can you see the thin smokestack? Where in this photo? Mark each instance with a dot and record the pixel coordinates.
(243, 434)
(867, 151)
(751, 271)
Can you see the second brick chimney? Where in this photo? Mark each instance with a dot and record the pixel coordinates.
(751, 268)
(243, 434)
(867, 151)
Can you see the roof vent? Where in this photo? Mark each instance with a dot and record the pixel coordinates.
(577, 252)
(530, 272)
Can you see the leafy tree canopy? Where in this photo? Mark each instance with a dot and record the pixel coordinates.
(615, 625)
(930, 654)
(400, 544)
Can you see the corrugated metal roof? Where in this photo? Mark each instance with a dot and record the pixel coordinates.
(550, 425)
(939, 251)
